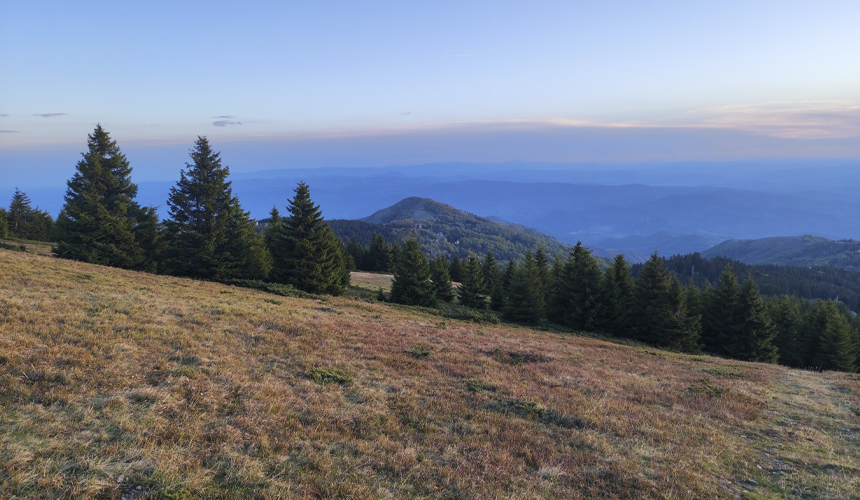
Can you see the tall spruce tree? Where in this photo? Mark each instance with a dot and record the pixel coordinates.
(208, 234)
(412, 284)
(790, 344)
(456, 269)
(100, 221)
(757, 329)
(722, 321)
(305, 251)
(580, 294)
(524, 302)
(620, 297)
(658, 310)
(499, 293)
(834, 349)
(442, 285)
(491, 271)
(378, 255)
(471, 292)
(4, 223)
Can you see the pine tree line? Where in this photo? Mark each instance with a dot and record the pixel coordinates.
(207, 234)
(730, 319)
(23, 221)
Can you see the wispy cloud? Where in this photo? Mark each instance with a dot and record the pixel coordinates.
(224, 123)
(224, 116)
(49, 115)
(2, 115)
(9, 131)
(791, 120)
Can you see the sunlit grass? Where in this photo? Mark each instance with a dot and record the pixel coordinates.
(113, 380)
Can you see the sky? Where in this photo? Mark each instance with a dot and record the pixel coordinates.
(392, 82)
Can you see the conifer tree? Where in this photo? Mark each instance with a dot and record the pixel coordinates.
(790, 344)
(544, 275)
(658, 310)
(208, 234)
(499, 293)
(491, 271)
(580, 291)
(693, 299)
(455, 270)
(620, 297)
(305, 251)
(757, 330)
(834, 347)
(412, 284)
(4, 224)
(272, 227)
(524, 301)
(722, 322)
(27, 222)
(356, 253)
(378, 255)
(472, 290)
(100, 221)
(444, 290)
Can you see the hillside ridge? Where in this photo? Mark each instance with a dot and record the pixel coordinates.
(801, 251)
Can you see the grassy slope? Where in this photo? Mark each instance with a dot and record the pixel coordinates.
(113, 380)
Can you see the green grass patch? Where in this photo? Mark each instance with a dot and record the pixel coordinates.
(723, 372)
(708, 389)
(419, 351)
(476, 385)
(327, 376)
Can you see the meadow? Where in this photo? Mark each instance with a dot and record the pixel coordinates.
(116, 384)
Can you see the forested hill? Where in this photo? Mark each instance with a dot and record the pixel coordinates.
(791, 251)
(819, 282)
(443, 229)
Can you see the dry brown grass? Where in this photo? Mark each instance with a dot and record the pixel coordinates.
(112, 381)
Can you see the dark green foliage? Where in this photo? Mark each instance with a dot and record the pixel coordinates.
(544, 274)
(456, 270)
(441, 280)
(4, 223)
(524, 302)
(758, 330)
(305, 252)
(356, 254)
(100, 220)
(499, 293)
(818, 282)
(25, 222)
(472, 290)
(208, 234)
(791, 345)
(379, 256)
(491, 271)
(659, 317)
(620, 297)
(272, 227)
(412, 284)
(833, 348)
(580, 293)
(722, 321)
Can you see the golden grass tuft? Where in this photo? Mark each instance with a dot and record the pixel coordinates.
(115, 383)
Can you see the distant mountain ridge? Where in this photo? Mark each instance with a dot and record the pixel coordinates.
(443, 229)
(803, 250)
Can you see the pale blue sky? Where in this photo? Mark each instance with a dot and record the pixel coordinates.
(162, 72)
